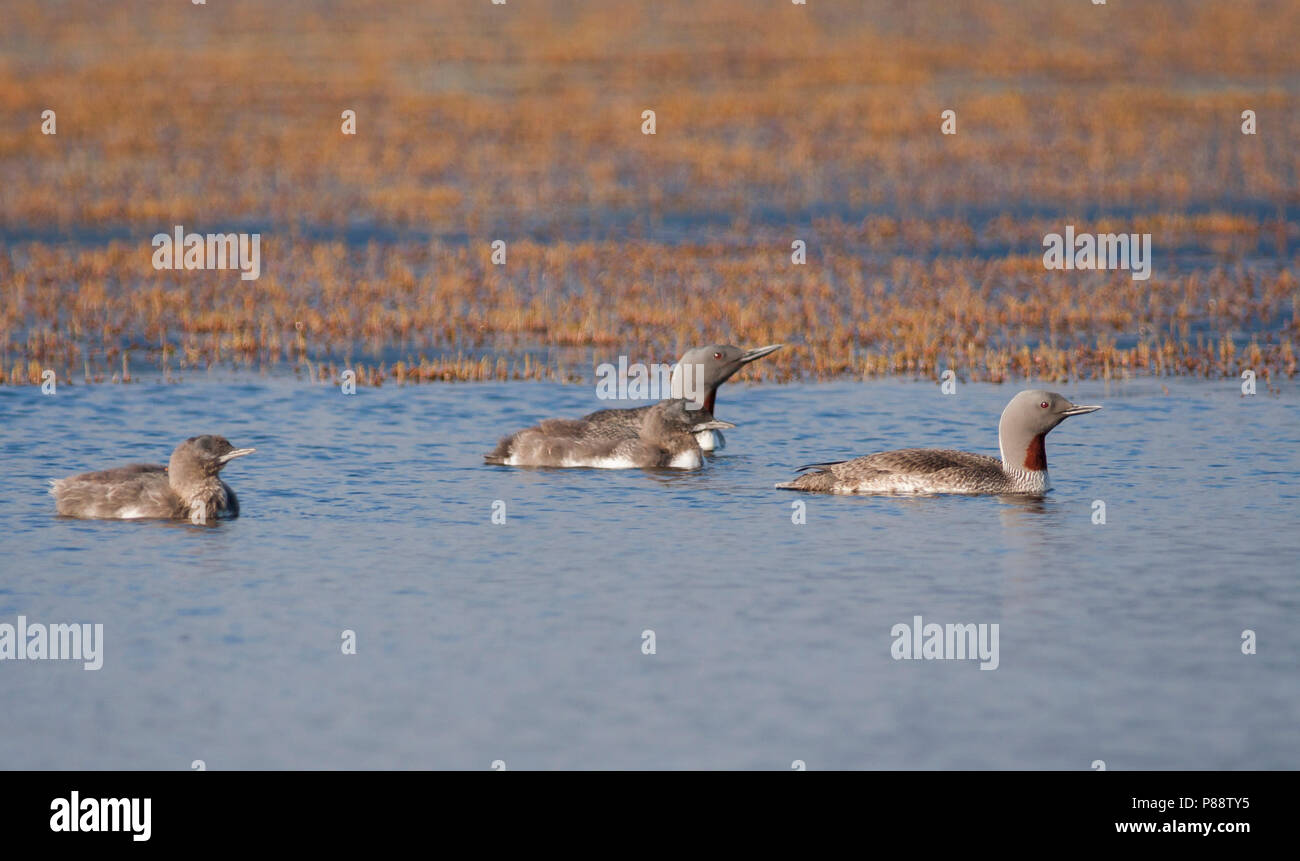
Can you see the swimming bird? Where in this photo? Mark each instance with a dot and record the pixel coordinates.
(699, 373)
(1022, 469)
(664, 438)
(187, 488)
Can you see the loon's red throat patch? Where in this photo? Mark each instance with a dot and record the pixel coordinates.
(1036, 454)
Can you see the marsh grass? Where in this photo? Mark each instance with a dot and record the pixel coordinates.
(522, 123)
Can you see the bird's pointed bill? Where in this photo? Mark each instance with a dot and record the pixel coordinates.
(239, 452)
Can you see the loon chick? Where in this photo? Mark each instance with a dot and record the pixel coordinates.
(188, 488)
(710, 366)
(664, 438)
(1023, 467)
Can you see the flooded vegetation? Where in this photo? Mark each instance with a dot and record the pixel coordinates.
(923, 251)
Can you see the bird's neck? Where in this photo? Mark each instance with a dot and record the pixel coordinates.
(202, 498)
(1023, 453)
(688, 382)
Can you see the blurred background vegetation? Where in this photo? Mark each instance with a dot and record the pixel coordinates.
(775, 122)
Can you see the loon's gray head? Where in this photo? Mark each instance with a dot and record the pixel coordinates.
(1027, 420)
(199, 459)
(701, 370)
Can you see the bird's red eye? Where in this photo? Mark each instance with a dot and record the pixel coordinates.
(1043, 405)
(717, 355)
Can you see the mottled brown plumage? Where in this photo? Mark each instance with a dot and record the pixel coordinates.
(665, 437)
(709, 367)
(188, 488)
(908, 470)
(1022, 470)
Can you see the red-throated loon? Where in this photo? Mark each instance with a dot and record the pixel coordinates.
(1023, 467)
(188, 488)
(664, 438)
(713, 366)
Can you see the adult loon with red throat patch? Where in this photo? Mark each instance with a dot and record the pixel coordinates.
(665, 438)
(1022, 469)
(714, 365)
(187, 488)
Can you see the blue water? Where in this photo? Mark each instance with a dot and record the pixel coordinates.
(522, 642)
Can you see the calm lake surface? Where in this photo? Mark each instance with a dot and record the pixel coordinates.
(522, 642)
